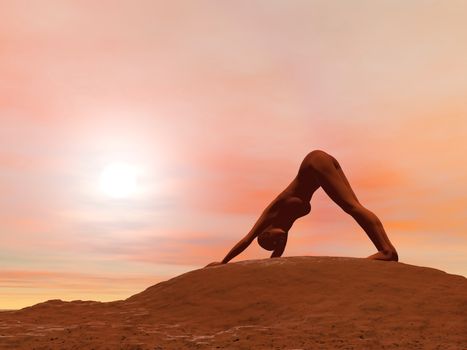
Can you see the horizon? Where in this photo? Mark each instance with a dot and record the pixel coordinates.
(144, 140)
(266, 261)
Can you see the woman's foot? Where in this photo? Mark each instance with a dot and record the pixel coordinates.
(385, 255)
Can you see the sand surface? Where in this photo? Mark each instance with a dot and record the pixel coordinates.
(283, 303)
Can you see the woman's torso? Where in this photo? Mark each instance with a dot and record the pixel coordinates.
(287, 209)
(293, 202)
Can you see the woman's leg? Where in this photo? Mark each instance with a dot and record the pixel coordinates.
(330, 176)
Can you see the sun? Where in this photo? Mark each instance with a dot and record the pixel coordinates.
(119, 180)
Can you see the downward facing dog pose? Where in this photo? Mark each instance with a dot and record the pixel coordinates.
(317, 169)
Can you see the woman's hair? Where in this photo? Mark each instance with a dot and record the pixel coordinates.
(271, 239)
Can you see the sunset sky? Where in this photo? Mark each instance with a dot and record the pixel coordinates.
(213, 105)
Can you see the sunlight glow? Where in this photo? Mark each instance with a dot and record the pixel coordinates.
(119, 180)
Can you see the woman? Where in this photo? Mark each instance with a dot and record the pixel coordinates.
(318, 168)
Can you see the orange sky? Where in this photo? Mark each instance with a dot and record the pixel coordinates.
(218, 102)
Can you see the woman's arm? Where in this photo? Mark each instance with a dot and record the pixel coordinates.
(237, 249)
(261, 224)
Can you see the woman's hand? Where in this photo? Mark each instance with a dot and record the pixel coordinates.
(215, 263)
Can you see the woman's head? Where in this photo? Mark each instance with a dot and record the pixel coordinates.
(272, 239)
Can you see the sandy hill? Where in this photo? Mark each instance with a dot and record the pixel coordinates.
(283, 303)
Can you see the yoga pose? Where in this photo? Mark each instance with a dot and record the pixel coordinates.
(318, 168)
